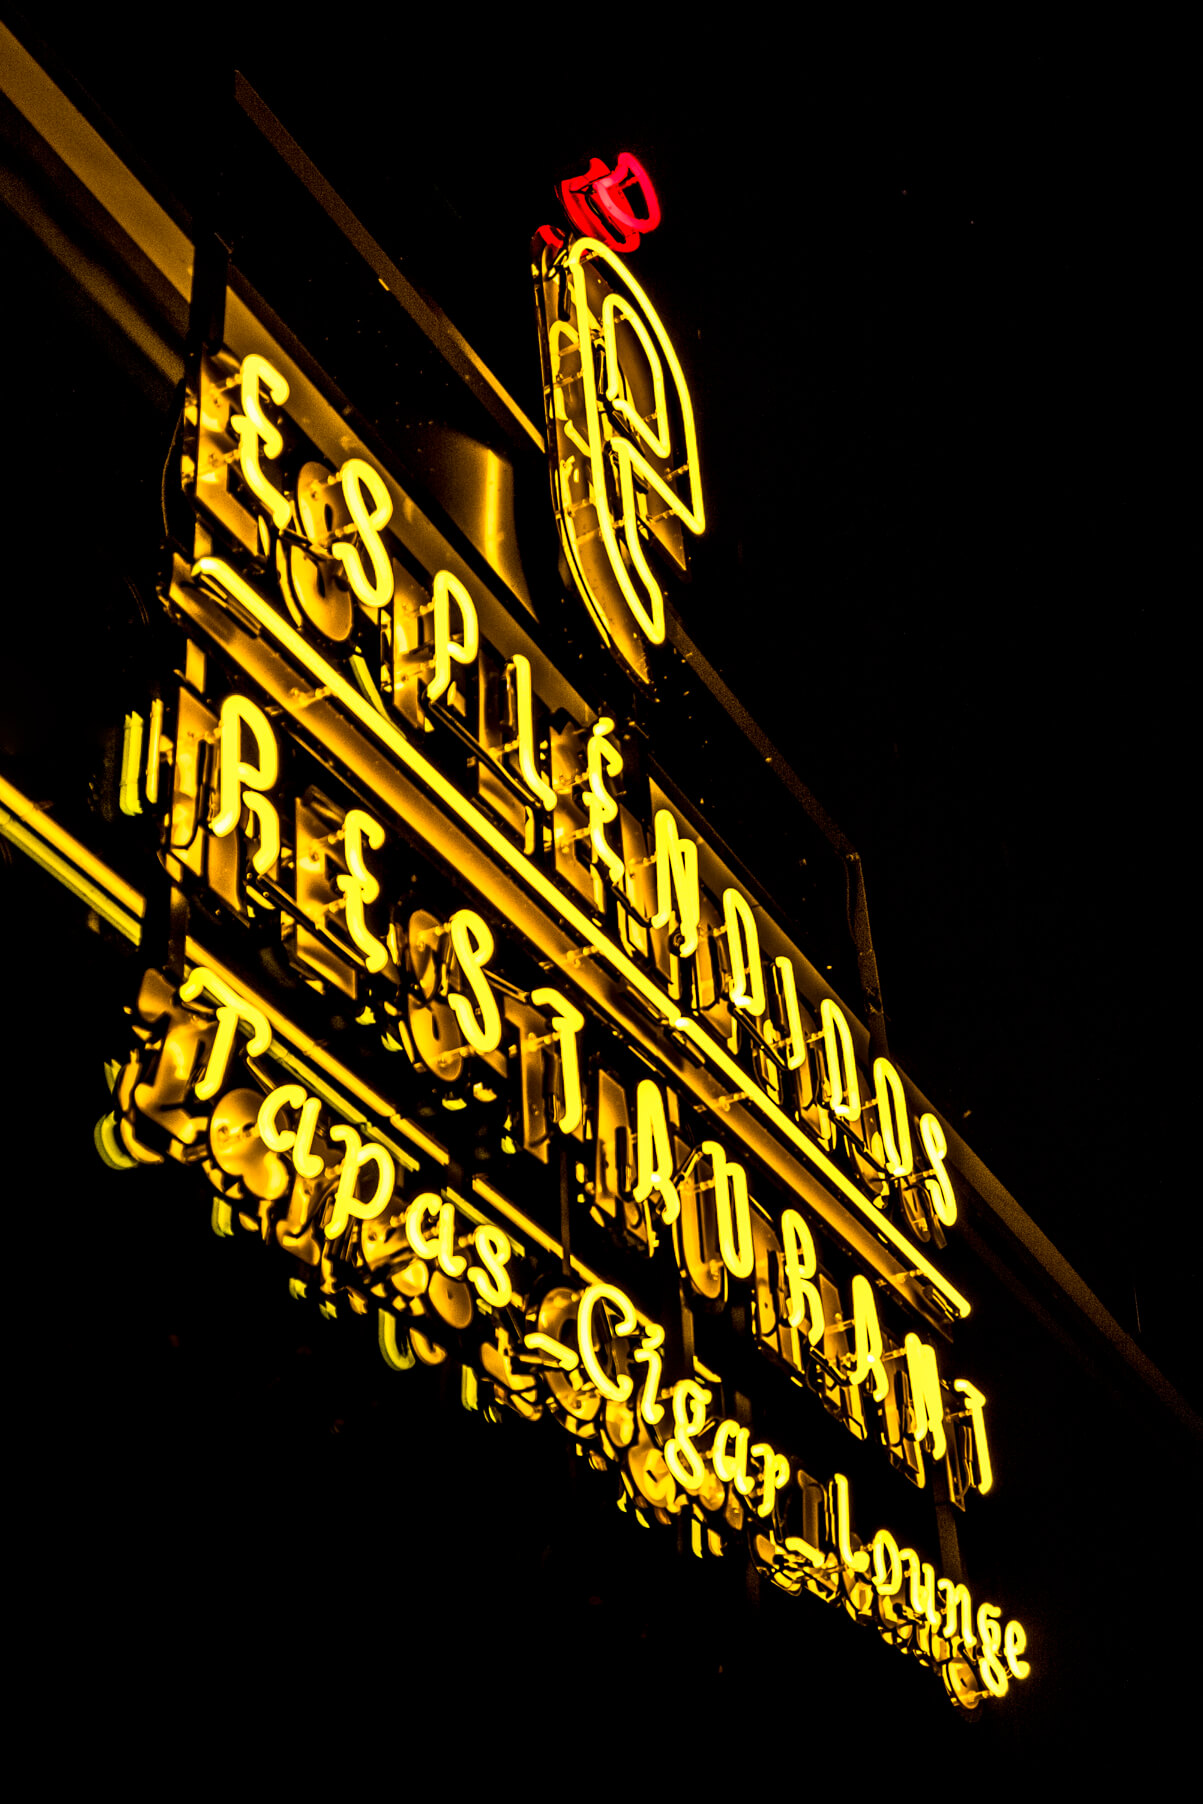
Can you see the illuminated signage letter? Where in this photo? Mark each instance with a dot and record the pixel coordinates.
(975, 1404)
(743, 946)
(927, 1399)
(490, 1277)
(893, 1119)
(242, 784)
(346, 1202)
(472, 944)
(258, 437)
(231, 1009)
(805, 1301)
(841, 1062)
(866, 1333)
(360, 887)
(447, 649)
(939, 1185)
(604, 759)
(731, 1208)
(567, 1022)
(524, 709)
(677, 882)
(616, 1390)
(653, 1151)
(376, 590)
(689, 1419)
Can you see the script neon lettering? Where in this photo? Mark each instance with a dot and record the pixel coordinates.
(568, 1022)
(893, 1119)
(689, 1418)
(448, 649)
(241, 784)
(939, 1185)
(256, 435)
(617, 1390)
(490, 1277)
(603, 759)
(743, 946)
(376, 590)
(472, 943)
(801, 1265)
(346, 1201)
(524, 708)
(653, 1152)
(360, 887)
(841, 1061)
(677, 882)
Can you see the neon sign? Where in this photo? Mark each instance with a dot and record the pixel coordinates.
(622, 442)
(596, 205)
(368, 773)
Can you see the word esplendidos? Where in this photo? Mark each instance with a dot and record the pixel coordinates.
(552, 791)
(333, 1198)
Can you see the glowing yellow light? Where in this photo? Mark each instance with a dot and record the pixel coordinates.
(787, 990)
(451, 1263)
(957, 1621)
(422, 1206)
(410, 759)
(154, 746)
(840, 1517)
(128, 799)
(241, 783)
(654, 433)
(306, 1162)
(447, 649)
(1014, 1642)
(939, 1185)
(527, 760)
(647, 608)
(472, 943)
(732, 1467)
(927, 1399)
(376, 590)
(975, 1403)
(258, 437)
(617, 1390)
(360, 887)
(921, 1587)
(398, 1354)
(841, 1061)
(232, 1009)
(887, 1564)
(653, 1151)
(677, 882)
(743, 946)
(993, 1672)
(648, 1353)
(893, 1119)
(774, 1475)
(689, 1418)
(346, 1202)
(603, 758)
(801, 1265)
(568, 1022)
(490, 1277)
(732, 1211)
(563, 1356)
(284, 1096)
(866, 1338)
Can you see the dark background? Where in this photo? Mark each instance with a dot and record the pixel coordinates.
(920, 290)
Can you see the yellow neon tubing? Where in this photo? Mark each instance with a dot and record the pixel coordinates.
(463, 810)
